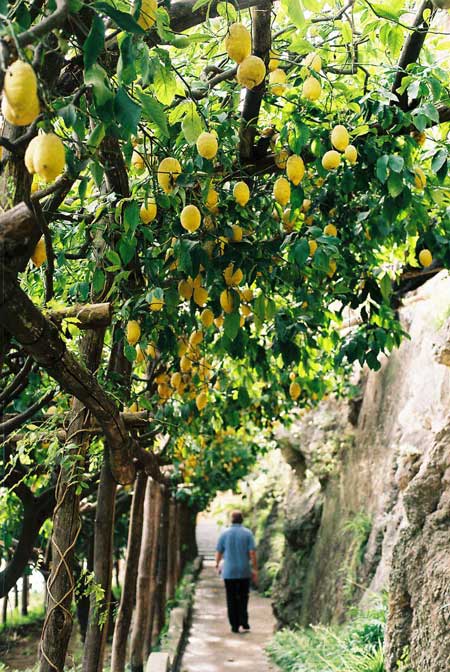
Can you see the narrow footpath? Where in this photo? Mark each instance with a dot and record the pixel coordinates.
(211, 646)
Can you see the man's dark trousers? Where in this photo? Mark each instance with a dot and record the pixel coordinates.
(237, 602)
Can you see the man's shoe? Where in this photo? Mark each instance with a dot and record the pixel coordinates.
(246, 626)
(235, 630)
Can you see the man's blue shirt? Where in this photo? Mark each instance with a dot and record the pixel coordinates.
(235, 544)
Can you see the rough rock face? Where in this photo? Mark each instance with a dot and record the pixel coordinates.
(369, 502)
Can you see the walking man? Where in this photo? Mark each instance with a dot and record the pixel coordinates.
(237, 547)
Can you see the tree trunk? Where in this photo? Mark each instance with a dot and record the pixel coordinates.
(16, 596)
(124, 614)
(97, 630)
(178, 570)
(5, 610)
(151, 510)
(188, 521)
(148, 635)
(24, 606)
(172, 551)
(160, 615)
(58, 622)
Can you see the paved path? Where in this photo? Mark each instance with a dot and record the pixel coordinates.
(211, 646)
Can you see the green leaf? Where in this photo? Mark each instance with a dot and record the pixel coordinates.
(386, 286)
(381, 169)
(130, 352)
(396, 163)
(164, 84)
(103, 96)
(192, 125)
(94, 43)
(98, 280)
(154, 111)
(346, 31)
(124, 20)
(127, 248)
(439, 159)
(126, 111)
(68, 113)
(395, 185)
(131, 217)
(114, 258)
(231, 325)
(321, 260)
(96, 137)
(294, 11)
(301, 252)
(126, 66)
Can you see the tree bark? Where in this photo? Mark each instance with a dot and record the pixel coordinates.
(148, 634)
(5, 610)
(97, 631)
(24, 605)
(123, 621)
(172, 551)
(16, 596)
(88, 316)
(161, 588)
(140, 621)
(17, 228)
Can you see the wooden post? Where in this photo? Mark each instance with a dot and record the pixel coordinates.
(24, 606)
(162, 562)
(172, 552)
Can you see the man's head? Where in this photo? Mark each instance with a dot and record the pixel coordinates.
(237, 517)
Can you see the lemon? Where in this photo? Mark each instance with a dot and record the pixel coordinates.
(420, 179)
(251, 72)
(185, 364)
(238, 42)
(313, 61)
(227, 300)
(288, 220)
(351, 154)
(22, 117)
(306, 205)
(156, 303)
(200, 296)
(274, 61)
(190, 218)
(201, 401)
(292, 376)
(196, 338)
(330, 230)
(176, 379)
(207, 317)
(164, 391)
(148, 213)
(241, 193)
(311, 89)
(39, 254)
(133, 332)
(140, 355)
(137, 161)
(332, 266)
(247, 295)
(46, 156)
(282, 191)
(147, 15)
(419, 137)
(294, 390)
(295, 169)
(331, 159)
(233, 277)
(151, 351)
(185, 289)
(168, 172)
(212, 199)
(277, 81)
(281, 159)
(237, 234)
(340, 138)
(20, 85)
(207, 145)
(425, 258)
(312, 247)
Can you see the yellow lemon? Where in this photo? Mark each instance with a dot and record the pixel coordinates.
(292, 376)
(168, 172)
(282, 191)
(238, 42)
(190, 218)
(420, 179)
(311, 89)
(196, 338)
(200, 296)
(207, 317)
(330, 230)
(227, 300)
(20, 85)
(39, 254)
(137, 161)
(351, 154)
(201, 401)
(219, 321)
(185, 289)
(247, 295)
(148, 212)
(274, 61)
(295, 169)
(281, 159)
(312, 247)
(306, 205)
(147, 15)
(251, 72)
(22, 116)
(313, 61)
(164, 391)
(207, 145)
(331, 160)
(133, 332)
(277, 81)
(340, 138)
(425, 258)
(241, 193)
(151, 350)
(212, 199)
(332, 266)
(156, 304)
(237, 234)
(185, 364)
(176, 379)
(233, 277)
(294, 390)
(140, 355)
(46, 156)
